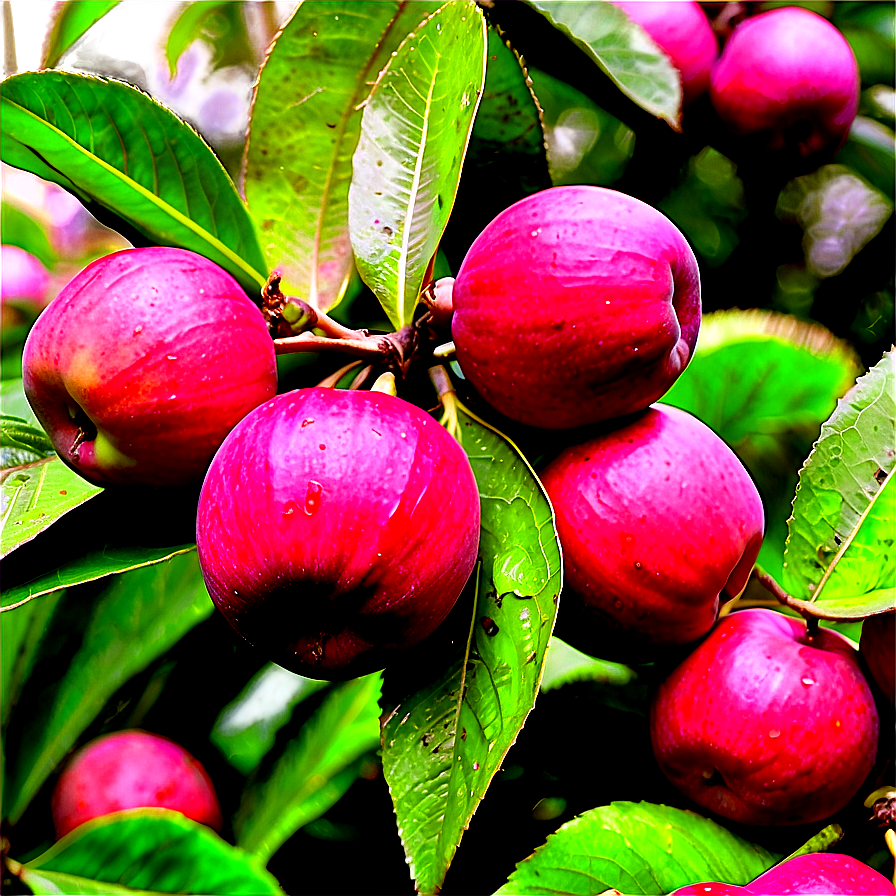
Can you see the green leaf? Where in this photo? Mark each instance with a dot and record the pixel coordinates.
(27, 232)
(840, 547)
(565, 664)
(221, 25)
(36, 495)
(444, 740)
(13, 401)
(245, 730)
(146, 851)
(71, 20)
(110, 144)
(870, 150)
(414, 134)
(636, 848)
(21, 443)
(621, 49)
(298, 160)
(305, 780)
(135, 619)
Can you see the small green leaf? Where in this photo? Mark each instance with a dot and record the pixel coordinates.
(221, 24)
(34, 496)
(245, 730)
(839, 558)
(146, 851)
(298, 160)
(110, 144)
(623, 50)
(21, 443)
(636, 848)
(870, 150)
(305, 780)
(135, 619)
(565, 664)
(414, 134)
(444, 740)
(27, 232)
(71, 20)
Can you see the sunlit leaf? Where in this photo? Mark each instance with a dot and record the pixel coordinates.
(565, 665)
(21, 443)
(146, 851)
(414, 134)
(840, 550)
(636, 848)
(110, 144)
(71, 21)
(444, 739)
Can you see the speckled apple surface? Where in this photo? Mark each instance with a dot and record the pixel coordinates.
(658, 520)
(576, 305)
(130, 770)
(680, 28)
(336, 528)
(156, 353)
(765, 725)
(790, 76)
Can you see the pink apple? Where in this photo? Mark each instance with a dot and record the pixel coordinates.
(878, 648)
(24, 277)
(337, 528)
(658, 521)
(822, 873)
(680, 28)
(764, 724)
(130, 770)
(789, 79)
(711, 888)
(576, 305)
(143, 363)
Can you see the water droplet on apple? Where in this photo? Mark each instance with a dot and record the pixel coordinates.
(618, 604)
(807, 681)
(289, 508)
(312, 497)
(138, 329)
(171, 357)
(774, 732)
(637, 564)
(307, 421)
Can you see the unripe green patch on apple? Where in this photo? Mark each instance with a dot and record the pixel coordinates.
(659, 522)
(337, 528)
(143, 363)
(576, 305)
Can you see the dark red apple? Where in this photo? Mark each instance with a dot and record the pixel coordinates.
(575, 305)
(337, 528)
(658, 521)
(765, 724)
(878, 648)
(143, 363)
(680, 28)
(788, 79)
(131, 770)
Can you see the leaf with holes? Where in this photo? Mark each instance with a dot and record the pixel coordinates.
(445, 738)
(114, 147)
(840, 548)
(414, 134)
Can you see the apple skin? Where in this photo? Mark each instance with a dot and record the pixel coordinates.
(160, 352)
(337, 528)
(763, 724)
(789, 78)
(879, 650)
(681, 29)
(816, 873)
(576, 305)
(130, 770)
(658, 521)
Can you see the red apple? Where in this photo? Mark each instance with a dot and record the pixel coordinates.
(765, 724)
(878, 648)
(143, 363)
(658, 521)
(680, 28)
(712, 888)
(789, 78)
(337, 528)
(131, 770)
(576, 305)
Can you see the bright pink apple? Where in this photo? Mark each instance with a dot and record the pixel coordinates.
(143, 363)
(131, 770)
(878, 648)
(575, 305)
(24, 277)
(789, 78)
(765, 724)
(658, 521)
(680, 28)
(711, 888)
(337, 528)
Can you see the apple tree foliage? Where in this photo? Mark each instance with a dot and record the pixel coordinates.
(382, 137)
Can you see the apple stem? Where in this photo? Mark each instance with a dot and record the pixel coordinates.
(770, 585)
(441, 380)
